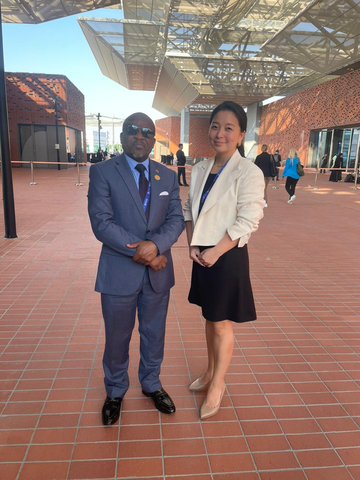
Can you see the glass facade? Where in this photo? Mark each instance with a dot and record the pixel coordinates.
(332, 142)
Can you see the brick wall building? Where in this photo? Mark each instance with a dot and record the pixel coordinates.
(290, 121)
(31, 111)
(198, 137)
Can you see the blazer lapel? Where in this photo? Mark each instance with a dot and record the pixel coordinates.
(123, 168)
(199, 186)
(155, 188)
(223, 183)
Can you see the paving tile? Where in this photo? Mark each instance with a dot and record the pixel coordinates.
(293, 382)
(350, 456)
(308, 442)
(189, 430)
(189, 446)
(53, 436)
(226, 445)
(190, 465)
(337, 424)
(318, 458)
(140, 432)
(54, 453)
(92, 469)
(275, 461)
(12, 453)
(283, 475)
(268, 443)
(15, 437)
(9, 471)
(355, 472)
(44, 471)
(235, 476)
(329, 474)
(270, 427)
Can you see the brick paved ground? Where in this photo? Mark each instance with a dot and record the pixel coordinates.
(292, 405)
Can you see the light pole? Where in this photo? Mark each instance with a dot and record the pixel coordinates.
(7, 183)
(57, 146)
(98, 116)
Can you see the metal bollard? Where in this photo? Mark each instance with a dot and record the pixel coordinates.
(78, 184)
(316, 174)
(356, 180)
(32, 173)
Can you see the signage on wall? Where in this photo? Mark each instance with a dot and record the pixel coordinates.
(57, 146)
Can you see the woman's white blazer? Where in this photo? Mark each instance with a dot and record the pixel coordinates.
(234, 205)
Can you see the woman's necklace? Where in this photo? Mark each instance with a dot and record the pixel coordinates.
(218, 166)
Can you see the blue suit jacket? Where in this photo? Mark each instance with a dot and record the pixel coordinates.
(117, 218)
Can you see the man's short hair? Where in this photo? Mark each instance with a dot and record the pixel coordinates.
(180, 145)
(276, 151)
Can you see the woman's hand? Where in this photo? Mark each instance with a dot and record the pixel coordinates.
(209, 257)
(194, 253)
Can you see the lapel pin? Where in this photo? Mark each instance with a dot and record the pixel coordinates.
(157, 177)
(157, 171)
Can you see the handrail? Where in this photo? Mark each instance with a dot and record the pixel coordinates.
(50, 163)
(31, 162)
(315, 170)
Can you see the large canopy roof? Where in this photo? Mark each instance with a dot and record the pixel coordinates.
(200, 52)
(37, 11)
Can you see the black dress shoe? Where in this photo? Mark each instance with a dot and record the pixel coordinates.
(111, 410)
(181, 185)
(162, 401)
(186, 184)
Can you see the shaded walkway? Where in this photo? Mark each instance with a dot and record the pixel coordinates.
(292, 406)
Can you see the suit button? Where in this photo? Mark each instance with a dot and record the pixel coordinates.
(147, 231)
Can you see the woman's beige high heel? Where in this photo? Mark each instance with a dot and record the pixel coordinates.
(207, 412)
(196, 386)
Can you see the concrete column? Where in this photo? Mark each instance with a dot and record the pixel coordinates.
(252, 132)
(184, 129)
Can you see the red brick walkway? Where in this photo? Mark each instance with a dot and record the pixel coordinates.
(292, 405)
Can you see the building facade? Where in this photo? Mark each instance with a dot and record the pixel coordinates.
(321, 119)
(92, 140)
(168, 136)
(46, 118)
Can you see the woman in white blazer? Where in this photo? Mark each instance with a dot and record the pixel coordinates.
(224, 206)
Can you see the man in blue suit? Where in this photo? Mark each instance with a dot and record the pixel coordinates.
(135, 211)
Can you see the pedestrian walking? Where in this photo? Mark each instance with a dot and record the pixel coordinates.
(324, 163)
(335, 175)
(291, 174)
(277, 160)
(267, 165)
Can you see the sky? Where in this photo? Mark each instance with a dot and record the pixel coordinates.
(59, 47)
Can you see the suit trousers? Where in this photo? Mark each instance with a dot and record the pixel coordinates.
(119, 313)
(182, 173)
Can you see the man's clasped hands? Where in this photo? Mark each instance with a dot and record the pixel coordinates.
(147, 254)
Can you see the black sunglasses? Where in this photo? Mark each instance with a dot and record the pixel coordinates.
(134, 130)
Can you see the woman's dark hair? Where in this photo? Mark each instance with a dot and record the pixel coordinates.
(235, 109)
(239, 113)
(241, 150)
